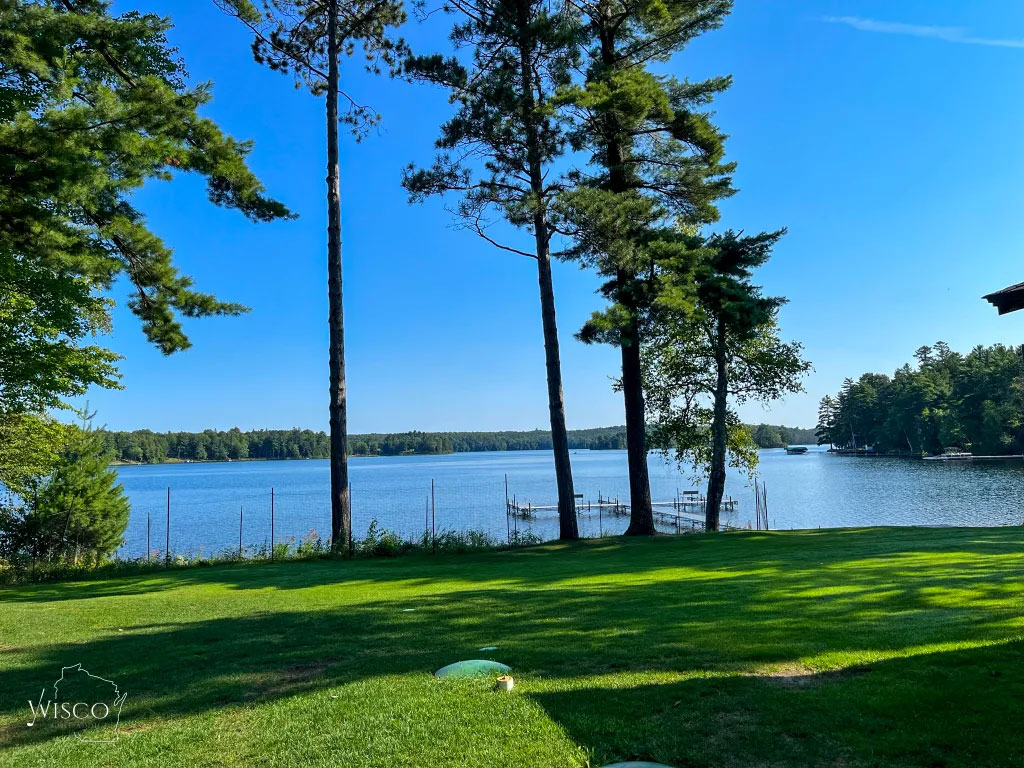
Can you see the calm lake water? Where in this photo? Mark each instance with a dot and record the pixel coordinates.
(808, 491)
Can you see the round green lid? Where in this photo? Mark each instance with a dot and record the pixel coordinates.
(473, 668)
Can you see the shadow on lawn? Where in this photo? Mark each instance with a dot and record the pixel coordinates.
(714, 623)
(532, 565)
(955, 708)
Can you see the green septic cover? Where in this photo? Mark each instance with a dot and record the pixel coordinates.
(634, 764)
(473, 668)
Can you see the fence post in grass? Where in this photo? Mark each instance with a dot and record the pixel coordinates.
(433, 517)
(515, 517)
(271, 523)
(148, 529)
(239, 531)
(167, 543)
(351, 547)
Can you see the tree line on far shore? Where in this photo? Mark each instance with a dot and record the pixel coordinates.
(948, 400)
(148, 447)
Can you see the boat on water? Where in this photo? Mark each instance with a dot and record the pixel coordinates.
(951, 456)
(796, 449)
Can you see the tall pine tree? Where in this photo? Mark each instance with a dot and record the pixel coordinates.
(309, 38)
(506, 135)
(656, 160)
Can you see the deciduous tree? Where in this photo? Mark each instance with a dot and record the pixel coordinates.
(724, 348)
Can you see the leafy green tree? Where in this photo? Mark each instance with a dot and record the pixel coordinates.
(524, 52)
(92, 106)
(766, 436)
(724, 348)
(656, 161)
(79, 510)
(29, 445)
(309, 39)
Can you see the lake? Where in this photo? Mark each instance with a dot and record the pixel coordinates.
(809, 491)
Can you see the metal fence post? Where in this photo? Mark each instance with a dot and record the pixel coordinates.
(239, 531)
(433, 517)
(167, 544)
(271, 523)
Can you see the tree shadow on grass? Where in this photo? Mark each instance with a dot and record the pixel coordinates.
(619, 556)
(958, 708)
(709, 623)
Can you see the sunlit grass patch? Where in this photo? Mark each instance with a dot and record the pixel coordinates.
(859, 648)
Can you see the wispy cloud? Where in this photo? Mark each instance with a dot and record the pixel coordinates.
(949, 34)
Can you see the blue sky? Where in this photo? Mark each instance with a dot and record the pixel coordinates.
(888, 138)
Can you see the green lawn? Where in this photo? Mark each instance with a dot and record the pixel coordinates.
(863, 647)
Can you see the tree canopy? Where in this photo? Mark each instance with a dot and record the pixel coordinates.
(93, 106)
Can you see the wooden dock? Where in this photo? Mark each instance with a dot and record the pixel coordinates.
(686, 510)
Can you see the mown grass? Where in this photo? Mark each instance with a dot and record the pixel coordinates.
(866, 647)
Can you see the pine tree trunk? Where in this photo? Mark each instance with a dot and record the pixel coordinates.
(641, 515)
(341, 509)
(568, 527)
(719, 426)
(567, 524)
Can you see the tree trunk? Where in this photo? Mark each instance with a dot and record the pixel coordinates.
(641, 516)
(341, 509)
(719, 426)
(567, 524)
(568, 527)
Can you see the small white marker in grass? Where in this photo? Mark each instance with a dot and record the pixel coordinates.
(488, 648)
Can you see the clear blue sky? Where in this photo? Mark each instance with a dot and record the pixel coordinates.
(888, 138)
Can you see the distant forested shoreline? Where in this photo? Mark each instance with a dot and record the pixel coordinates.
(945, 400)
(144, 446)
